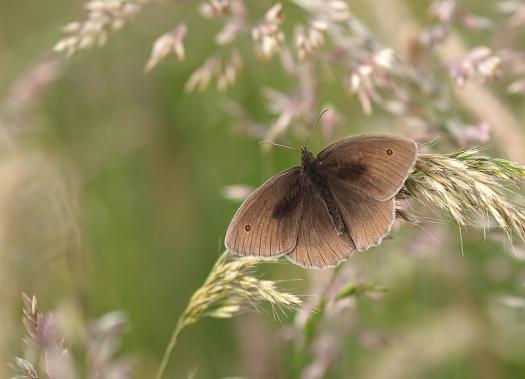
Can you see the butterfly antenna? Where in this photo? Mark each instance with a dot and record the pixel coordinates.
(276, 144)
(315, 125)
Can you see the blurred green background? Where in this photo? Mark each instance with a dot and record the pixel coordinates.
(112, 199)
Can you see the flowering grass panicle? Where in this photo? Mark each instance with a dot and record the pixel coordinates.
(305, 34)
(229, 289)
(42, 337)
(103, 18)
(48, 355)
(469, 185)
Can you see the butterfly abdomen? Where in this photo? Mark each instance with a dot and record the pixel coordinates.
(315, 174)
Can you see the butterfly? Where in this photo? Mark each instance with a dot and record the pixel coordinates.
(334, 204)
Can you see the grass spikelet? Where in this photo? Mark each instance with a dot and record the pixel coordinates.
(103, 18)
(229, 288)
(34, 321)
(49, 354)
(166, 44)
(23, 369)
(469, 185)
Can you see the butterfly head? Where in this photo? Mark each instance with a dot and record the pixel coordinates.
(307, 158)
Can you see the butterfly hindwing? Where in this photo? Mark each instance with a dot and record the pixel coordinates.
(319, 245)
(267, 223)
(367, 220)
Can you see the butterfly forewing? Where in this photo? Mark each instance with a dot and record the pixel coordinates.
(375, 164)
(318, 243)
(267, 223)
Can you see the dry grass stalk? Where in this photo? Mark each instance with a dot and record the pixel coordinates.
(469, 185)
(229, 288)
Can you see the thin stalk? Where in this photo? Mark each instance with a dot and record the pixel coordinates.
(184, 321)
(171, 345)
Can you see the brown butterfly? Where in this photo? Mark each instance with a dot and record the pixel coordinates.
(339, 202)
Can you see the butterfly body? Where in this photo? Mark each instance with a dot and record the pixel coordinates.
(314, 173)
(334, 204)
